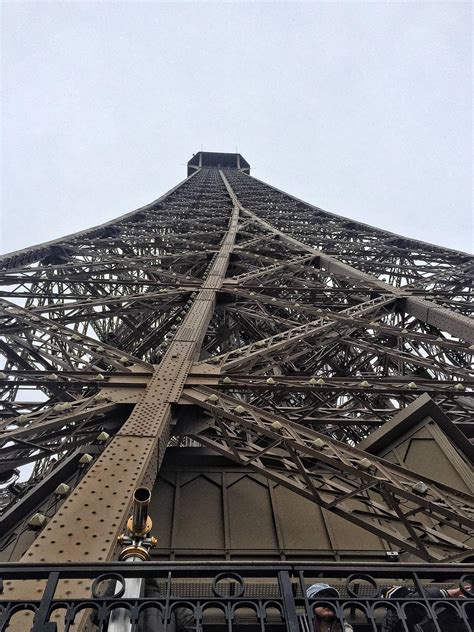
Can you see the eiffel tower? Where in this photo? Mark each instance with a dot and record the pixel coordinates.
(231, 316)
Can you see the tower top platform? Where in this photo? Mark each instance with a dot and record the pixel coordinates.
(217, 159)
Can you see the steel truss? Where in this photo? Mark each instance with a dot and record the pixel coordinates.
(320, 328)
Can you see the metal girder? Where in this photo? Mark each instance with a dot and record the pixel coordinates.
(267, 270)
(133, 456)
(55, 433)
(27, 255)
(436, 524)
(353, 317)
(283, 341)
(456, 324)
(308, 383)
(327, 317)
(30, 501)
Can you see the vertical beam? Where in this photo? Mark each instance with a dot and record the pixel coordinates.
(40, 623)
(88, 523)
(291, 616)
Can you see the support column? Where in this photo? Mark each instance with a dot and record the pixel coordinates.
(87, 525)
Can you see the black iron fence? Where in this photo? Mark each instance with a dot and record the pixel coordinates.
(235, 596)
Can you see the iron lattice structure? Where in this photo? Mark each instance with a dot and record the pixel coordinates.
(231, 315)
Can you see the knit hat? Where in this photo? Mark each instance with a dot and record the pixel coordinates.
(321, 590)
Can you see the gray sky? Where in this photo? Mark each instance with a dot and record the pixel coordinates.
(361, 108)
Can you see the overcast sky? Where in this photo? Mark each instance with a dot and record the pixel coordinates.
(361, 108)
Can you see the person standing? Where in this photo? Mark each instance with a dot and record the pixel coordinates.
(417, 619)
(325, 619)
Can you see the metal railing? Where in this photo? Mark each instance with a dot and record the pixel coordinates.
(234, 596)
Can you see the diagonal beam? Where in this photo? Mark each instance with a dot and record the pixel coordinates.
(453, 322)
(33, 253)
(279, 342)
(356, 485)
(134, 454)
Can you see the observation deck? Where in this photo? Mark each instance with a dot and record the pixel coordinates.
(217, 159)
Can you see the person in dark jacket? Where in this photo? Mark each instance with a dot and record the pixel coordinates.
(325, 619)
(417, 618)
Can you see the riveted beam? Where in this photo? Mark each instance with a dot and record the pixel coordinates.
(358, 486)
(456, 324)
(102, 500)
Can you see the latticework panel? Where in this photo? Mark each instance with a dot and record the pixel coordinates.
(290, 330)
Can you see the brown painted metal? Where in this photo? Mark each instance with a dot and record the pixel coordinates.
(456, 324)
(221, 498)
(357, 486)
(304, 317)
(133, 456)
